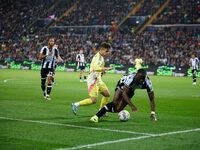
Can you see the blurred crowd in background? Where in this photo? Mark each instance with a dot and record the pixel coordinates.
(157, 46)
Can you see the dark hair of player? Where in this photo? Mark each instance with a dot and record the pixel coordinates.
(142, 71)
(105, 45)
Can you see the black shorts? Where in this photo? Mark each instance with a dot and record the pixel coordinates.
(194, 71)
(46, 72)
(82, 68)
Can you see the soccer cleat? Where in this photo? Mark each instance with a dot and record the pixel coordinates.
(54, 83)
(48, 98)
(85, 80)
(74, 108)
(94, 119)
(194, 83)
(81, 81)
(45, 94)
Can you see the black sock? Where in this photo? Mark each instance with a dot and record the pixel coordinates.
(84, 77)
(80, 78)
(53, 80)
(43, 86)
(49, 89)
(110, 107)
(194, 79)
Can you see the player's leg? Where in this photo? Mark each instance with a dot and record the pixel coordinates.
(121, 105)
(93, 93)
(53, 80)
(103, 90)
(54, 72)
(194, 77)
(43, 81)
(85, 76)
(110, 107)
(85, 102)
(104, 100)
(49, 87)
(80, 75)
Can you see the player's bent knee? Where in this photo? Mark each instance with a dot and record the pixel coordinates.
(106, 94)
(94, 99)
(49, 79)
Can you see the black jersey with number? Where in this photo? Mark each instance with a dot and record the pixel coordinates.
(130, 82)
(49, 61)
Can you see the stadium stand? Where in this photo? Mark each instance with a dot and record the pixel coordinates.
(16, 16)
(156, 45)
(180, 12)
(97, 12)
(149, 7)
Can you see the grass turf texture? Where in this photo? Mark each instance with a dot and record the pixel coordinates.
(177, 108)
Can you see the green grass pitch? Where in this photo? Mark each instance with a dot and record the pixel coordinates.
(28, 121)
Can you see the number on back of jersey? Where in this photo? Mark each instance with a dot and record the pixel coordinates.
(122, 81)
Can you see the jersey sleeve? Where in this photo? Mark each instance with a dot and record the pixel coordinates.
(43, 51)
(78, 57)
(56, 52)
(190, 61)
(128, 81)
(98, 63)
(148, 85)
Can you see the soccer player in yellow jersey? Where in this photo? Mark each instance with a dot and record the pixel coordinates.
(94, 81)
(138, 62)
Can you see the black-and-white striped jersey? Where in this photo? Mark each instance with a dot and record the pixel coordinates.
(195, 63)
(81, 58)
(55, 62)
(130, 82)
(49, 61)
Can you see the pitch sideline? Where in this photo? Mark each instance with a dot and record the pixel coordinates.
(75, 126)
(127, 139)
(146, 135)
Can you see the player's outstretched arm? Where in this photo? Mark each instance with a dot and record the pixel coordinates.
(108, 68)
(152, 102)
(59, 59)
(77, 60)
(42, 56)
(127, 99)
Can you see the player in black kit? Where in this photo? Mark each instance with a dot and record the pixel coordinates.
(48, 54)
(124, 91)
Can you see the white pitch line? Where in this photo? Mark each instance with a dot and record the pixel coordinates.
(18, 81)
(75, 126)
(127, 139)
(103, 143)
(195, 95)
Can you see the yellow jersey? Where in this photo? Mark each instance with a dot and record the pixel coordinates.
(96, 67)
(138, 62)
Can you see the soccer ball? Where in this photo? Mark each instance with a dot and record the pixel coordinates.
(124, 115)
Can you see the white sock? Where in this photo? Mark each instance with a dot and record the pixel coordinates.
(76, 104)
